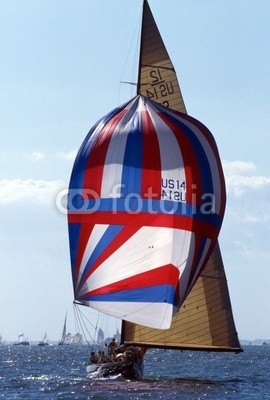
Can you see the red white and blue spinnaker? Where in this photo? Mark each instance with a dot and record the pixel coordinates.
(145, 206)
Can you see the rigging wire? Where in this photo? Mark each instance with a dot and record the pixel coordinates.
(81, 319)
(134, 63)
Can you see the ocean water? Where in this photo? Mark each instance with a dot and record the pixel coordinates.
(58, 372)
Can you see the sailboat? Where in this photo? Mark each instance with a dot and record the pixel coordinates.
(146, 203)
(44, 341)
(63, 339)
(77, 338)
(22, 341)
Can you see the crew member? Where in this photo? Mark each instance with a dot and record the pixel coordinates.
(112, 347)
(93, 358)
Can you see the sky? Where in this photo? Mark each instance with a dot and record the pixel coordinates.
(62, 64)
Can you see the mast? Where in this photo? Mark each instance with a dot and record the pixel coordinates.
(205, 321)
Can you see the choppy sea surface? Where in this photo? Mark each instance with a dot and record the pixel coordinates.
(58, 372)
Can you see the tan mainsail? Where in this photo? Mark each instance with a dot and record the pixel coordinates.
(205, 321)
(157, 78)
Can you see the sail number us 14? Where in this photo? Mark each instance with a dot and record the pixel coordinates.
(173, 189)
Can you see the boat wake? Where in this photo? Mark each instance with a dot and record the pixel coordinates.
(97, 376)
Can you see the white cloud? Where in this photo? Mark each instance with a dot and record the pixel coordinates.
(35, 156)
(15, 190)
(239, 184)
(237, 167)
(69, 156)
(38, 155)
(240, 177)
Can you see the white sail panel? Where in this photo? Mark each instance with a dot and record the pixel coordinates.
(146, 314)
(147, 250)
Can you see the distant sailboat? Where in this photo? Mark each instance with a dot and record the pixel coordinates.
(146, 203)
(22, 341)
(64, 333)
(44, 342)
(77, 338)
(68, 338)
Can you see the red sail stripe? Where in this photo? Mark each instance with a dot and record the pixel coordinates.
(164, 275)
(151, 165)
(145, 219)
(193, 176)
(96, 159)
(211, 140)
